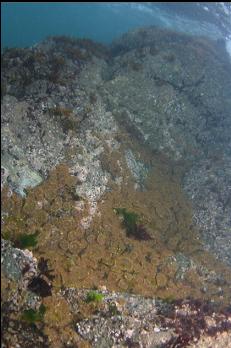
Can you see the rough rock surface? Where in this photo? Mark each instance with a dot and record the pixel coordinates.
(18, 268)
(100, 111)
(124, 320)
(177, 100)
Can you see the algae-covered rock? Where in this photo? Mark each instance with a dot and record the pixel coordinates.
(145, 322)
(141, 128)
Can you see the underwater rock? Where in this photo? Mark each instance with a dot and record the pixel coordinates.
(13, 261)
(207, 185)
(138, 169)
(156, 98)
(143, 322)
(177, 112)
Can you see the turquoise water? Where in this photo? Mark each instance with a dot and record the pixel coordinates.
(25, 24)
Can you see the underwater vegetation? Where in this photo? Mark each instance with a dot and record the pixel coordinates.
(93, 296)
(44, 269)
(132, 225)
(40, 285)
(22, 241)
(31, 316)
(64, 58)
(26, 240)
(188, 319)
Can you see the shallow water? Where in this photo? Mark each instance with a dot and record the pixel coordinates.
(26, 24)
(115, 172)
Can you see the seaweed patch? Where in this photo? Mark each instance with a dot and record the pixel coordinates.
(131, 223)
(40, 285)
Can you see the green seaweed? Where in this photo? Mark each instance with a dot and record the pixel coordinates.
(31, 316)
(93, 296)
(23, 240)
(26, 240)
(130, 220)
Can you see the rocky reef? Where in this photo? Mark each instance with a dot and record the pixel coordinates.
(115, 181)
